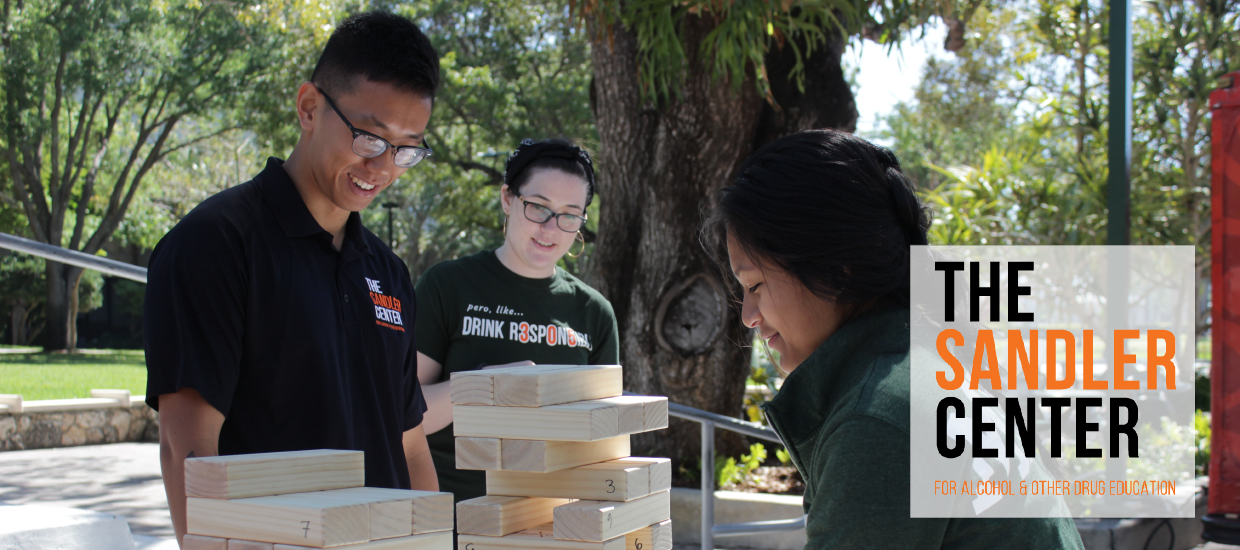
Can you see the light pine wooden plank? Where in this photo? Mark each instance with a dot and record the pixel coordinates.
(237, 544)
(580, 421)
(441, 540)
(595, 520)
(287, 519)
(652, 537)
(541, 537)
(612, 480)
(496, 516)
(543, 385)
(254, 475)
(432, 511)
(199, 542)
(660, 471)
(529, 455)
(390, 510)
(649, 412)
(472, 387)
(478, 453)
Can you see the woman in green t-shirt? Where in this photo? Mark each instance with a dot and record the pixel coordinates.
(513, 305)
(817, 228)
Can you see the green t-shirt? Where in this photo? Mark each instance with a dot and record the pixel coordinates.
(474, 312)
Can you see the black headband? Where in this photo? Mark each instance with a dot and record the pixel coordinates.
(531, 150)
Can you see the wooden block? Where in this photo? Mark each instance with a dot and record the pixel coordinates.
(596, 520)
(652, 537)
(472, 387)
(254, 475)
(441, 540)
(478, 453)
(390, 510)
(528, 455)
(652, 416)
(199, 542)
(432, 511)
(286, 519)
(617, 480)
(237, 544)
(496, 516)
(660, 471)
(580, 421)
(541, 537)
(543, 385)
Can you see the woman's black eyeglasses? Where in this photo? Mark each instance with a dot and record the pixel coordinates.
(368, 145)
(537, 213)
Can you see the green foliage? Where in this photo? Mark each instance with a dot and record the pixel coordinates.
(741, 33)
(23, 282)
(784, 457)
(1201, 439)
(1201, 391)
(1007, 140)
(730, 472)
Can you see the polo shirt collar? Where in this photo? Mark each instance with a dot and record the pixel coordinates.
(280, 194)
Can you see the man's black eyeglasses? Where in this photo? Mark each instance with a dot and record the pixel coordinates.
(537, 213)
(368, 145)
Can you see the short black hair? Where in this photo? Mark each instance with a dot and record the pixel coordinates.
(550, 154)
(831, 209)
(380, 47)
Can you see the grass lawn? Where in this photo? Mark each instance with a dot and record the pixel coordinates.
(60, 376)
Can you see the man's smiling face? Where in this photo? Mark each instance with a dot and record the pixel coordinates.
(344, 178)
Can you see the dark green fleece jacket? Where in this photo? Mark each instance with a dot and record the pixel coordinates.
(844, 416)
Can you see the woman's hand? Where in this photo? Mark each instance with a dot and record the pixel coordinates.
(526, 363)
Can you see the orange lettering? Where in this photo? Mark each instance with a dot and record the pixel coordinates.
(957, 369)
(1069, 366)
(1087, 365)
(1028, 362)
(1151, 342)
(985, 346)
(1122, 359)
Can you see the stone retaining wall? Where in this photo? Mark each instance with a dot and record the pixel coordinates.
(42, 430)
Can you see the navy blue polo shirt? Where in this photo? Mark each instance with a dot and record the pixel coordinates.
(299, 345)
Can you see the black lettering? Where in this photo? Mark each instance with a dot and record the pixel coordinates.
(976, 291)
(949, 270)
(1084, 426)
(1015, 291)
(980, 426)
(1056, 404)
(1128, 427)
(1022, 424)
(958, 448)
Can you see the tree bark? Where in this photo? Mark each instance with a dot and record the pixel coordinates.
(62, 302)
(680, 335)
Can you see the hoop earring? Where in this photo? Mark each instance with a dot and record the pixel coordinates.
(583, 246)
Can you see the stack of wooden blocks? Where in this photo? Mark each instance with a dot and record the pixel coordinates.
(554, 441)
(306, 499)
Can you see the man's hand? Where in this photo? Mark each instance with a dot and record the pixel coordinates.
(188, 427)
(438, 395)
(418, 456)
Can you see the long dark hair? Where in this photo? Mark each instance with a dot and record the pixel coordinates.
(830, 208)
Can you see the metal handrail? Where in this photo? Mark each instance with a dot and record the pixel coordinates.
(709, 421)
(73, 257)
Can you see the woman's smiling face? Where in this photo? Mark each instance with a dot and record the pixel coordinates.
(788, 316)
(538, 246)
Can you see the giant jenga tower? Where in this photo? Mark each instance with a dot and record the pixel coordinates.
(554, 441)
(306, 499)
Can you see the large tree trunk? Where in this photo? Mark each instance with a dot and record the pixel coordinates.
(680, 335)
(62, 307)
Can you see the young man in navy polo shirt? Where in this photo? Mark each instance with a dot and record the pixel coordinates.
(274, 320)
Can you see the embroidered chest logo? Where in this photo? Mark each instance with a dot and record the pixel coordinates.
(387, 308)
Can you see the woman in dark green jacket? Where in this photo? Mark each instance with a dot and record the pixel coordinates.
(818, 227)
